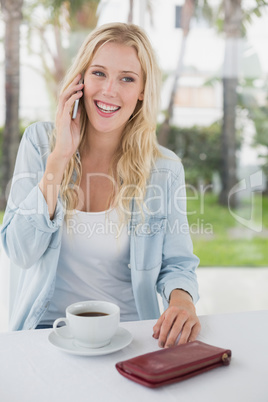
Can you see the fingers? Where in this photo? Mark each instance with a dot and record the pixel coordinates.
(64, 119)
(68, 97)
(189, 332)
(174, 322)
(68, 129)
(157, 327)
(195, 331)
(182, 325)
(163, 326)
(172, 327)
(69, 104)
(71, 91)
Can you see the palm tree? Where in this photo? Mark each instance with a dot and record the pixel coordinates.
(145, 6)
(186, 16)
(74, 19)
(130, 12)
(233, 34)
(79, 13)
(235, 18)
(12, 15)
(230, 15)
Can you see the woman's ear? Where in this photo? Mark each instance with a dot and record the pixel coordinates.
(141, 97)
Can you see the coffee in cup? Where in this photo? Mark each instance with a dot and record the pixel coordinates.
(90, 323)
(91, 314)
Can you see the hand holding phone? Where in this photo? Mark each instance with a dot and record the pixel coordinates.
(76, 103)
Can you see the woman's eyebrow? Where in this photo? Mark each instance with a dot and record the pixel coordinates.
(124, 71)
(130, 72)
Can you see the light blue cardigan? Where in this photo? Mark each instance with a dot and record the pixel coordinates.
(161, 252)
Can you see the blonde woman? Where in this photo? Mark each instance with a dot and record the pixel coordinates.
(97, 208)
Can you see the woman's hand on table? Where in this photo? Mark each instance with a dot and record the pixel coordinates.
(179, 318)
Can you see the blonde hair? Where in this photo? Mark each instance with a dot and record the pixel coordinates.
(138, 149)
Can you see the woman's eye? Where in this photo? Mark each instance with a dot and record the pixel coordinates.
(98, 73)
(128, 79)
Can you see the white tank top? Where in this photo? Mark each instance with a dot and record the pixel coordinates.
(93, 265)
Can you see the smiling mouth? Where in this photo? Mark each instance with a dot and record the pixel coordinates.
(105, 108)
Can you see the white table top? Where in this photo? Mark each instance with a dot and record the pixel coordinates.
(31, 369)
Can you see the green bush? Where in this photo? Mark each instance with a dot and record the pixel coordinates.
(199, 149)
(21, 131)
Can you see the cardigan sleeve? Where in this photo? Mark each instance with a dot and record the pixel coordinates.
(27, 230)
(178, 260)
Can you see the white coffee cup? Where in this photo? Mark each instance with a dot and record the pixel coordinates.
(88, 330)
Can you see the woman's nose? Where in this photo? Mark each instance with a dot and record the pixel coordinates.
(109, 88)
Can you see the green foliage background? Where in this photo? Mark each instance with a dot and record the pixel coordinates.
(227, 242)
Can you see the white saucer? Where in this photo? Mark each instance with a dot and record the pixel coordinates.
(120, 340)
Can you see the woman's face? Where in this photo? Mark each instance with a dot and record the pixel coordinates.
(113, 85)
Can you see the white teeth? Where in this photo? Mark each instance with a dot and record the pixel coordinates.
(106, 108)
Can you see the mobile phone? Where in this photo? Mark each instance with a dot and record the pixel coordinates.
(76, 103)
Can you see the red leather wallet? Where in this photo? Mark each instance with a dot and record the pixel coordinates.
(175, 364)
